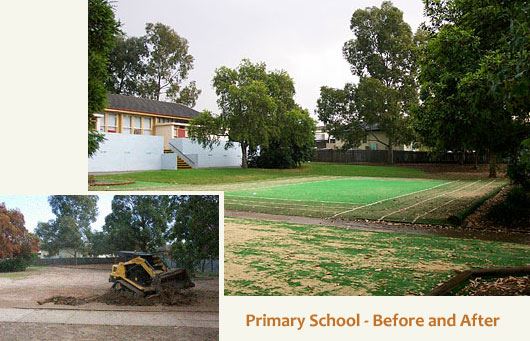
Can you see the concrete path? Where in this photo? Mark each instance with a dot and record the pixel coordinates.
(111, 318)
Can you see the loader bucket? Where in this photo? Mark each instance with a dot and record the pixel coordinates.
(175, 279)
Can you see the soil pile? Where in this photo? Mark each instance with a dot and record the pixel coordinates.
(168, 296)
(504, 286)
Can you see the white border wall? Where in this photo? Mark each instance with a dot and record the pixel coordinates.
(123, 152)
(218, 156)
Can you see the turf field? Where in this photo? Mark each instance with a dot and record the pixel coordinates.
(389, 199)
(276, 258)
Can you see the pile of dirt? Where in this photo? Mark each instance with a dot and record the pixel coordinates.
(168, 296)
(66, 300)
(504, 286)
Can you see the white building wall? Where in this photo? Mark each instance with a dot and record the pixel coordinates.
(124, 152)
(218, 156)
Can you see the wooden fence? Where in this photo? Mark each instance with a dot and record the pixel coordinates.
(400, 156)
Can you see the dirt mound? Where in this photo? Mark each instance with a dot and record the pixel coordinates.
(168, 296)
(66, 300)
(504, 286)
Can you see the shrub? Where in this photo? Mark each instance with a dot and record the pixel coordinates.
(514, 211)
(15, 264)
(519, 167)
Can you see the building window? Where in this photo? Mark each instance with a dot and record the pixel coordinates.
(137, 125)
(146, 126)
(100, 123)
(112, 123)
(373, 146)
(126, 125)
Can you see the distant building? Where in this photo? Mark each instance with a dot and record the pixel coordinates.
(144, 134)
(375, 140)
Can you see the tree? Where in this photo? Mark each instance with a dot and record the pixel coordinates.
(71, 227)
(474, 76)
(17, 245)
(15, 240)
(168, 65)
(382, 55)
(102, 27)
(255, 105)
(194, 234)
(294, 144)
(82, 209)
(138, 222)
(127, 65)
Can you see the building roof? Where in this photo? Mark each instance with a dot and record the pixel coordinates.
(149, 106)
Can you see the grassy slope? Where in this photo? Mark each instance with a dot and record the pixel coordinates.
(235, 175)
(291, 259)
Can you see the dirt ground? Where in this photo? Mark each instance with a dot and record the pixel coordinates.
(23, 290)
(43, 283)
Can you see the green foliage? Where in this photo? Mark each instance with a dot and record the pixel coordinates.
(514, 211)
(95, 138)
(383, 56)
(257, 107)
(519, 167)
(14, 264)
(293, 146)
(137, 222)
(71, 227)
(102, 27)
(153, 66)
(126, 65)
(474, 76)
(194, 234)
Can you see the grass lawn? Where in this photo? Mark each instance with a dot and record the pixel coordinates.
(276, 258)
(216, 176)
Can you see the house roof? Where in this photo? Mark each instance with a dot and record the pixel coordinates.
(149, 106)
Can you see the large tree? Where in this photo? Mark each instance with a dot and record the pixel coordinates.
(382, 55)
(138, 222)
(15, 240)
(102, 28)
(127, 65)
(71, 227)
(254, 103)
(194, 235)
(154, 66)
(474, 76)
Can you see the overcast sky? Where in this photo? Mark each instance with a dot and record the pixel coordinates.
(303, 37)
(35, 209)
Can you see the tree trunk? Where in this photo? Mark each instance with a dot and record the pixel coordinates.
(390, 154)
(493, 164)
(244, 155)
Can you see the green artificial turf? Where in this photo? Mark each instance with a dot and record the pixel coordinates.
(346, 190)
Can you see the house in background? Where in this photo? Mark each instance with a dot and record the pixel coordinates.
(375, 140)
(143, 134)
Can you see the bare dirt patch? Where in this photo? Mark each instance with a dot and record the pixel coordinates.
(73, 286)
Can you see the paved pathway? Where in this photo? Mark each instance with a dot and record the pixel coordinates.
(111, 318)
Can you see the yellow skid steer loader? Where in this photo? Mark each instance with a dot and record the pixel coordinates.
(145, 274)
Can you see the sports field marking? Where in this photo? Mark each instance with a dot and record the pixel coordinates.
(283, 207)
(425, 200)
(392, 198)
(450, 201)
(269, 198)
